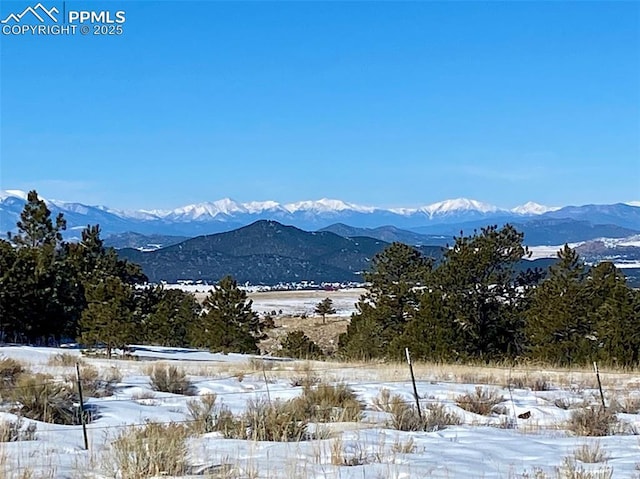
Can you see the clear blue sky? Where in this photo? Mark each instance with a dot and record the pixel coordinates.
(380, 103)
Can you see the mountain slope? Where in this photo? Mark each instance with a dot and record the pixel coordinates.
(389, 234)
(263, 252)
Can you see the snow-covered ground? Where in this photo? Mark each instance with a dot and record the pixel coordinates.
(480, 447)
(291, 303)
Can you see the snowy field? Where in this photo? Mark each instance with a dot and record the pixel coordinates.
(498, 445)
(291, 303)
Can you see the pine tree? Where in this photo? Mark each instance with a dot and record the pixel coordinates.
(296, 344)
(172, 315)
(615, 311)
(391, 300)
(325, 307)
(229, 324)
(39, 293)
(483, 294)
(35, 227)
(560, 325)
(108, 319)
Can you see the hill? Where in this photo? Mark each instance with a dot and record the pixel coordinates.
(265, 252)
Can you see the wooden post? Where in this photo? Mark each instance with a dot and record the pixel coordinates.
(266, 383)
(413, 380)
(82, 418)
(595, 367)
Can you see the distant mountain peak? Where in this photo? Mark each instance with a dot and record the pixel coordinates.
(226, 214)
(458, 204)
(326, 205)
(533, 208)
(4, 194)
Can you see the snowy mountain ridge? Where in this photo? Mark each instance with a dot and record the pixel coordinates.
(228, 206)
(226, 214)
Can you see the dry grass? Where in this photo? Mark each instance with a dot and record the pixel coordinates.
(482, 401)
(65, 360)
(148, 451)
(13, 431)
(627, 404)
(203, 413)
(282, 421)
(10, 370)
(591, 453)
(262, 421)
(170, 379)
(404, 447)
(277, 421)
(328, 403)
(405, 417)
(535, 383)
(592, 421)
(40, 398)
(571, 470)
(96, 383)
(306, 381)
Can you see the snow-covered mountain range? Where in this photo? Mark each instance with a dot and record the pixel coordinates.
(226, 214)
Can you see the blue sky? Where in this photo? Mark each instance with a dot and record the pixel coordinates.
(380, 103)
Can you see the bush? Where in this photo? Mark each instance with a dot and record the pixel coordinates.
(95, 383)
(296, 344)
(570, 470)
(41, 399)
(170, 379)
(591, 453)
(64, 359)
(149, 451)
(626, 404)
(13, 431)
(592, 421)
(405, 417)
(539, 383)
(328, 403)
(481, 402)
(262, 421)
(10, 369)
(305, 381)
(203, 414)
(277, 421)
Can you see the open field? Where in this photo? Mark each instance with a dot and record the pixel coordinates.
(296, 303)
(527, 429)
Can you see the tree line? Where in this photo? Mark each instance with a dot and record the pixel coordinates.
(473, 305)
(52, 290)
(476, 305)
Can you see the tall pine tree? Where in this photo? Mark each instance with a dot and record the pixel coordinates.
(229, 323)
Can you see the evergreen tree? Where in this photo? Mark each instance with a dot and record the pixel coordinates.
(35, 227)
(109, 318)
(95, 262)
(172, 315)
(38, 293)
(9, 291)
(560, 326)
(391, 300)
(615, 314)
(296, 344)
(482, 293)
(325, 307)
(229, 324)
(431, 334)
